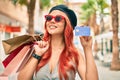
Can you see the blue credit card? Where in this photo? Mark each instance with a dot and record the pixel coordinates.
(82, 31)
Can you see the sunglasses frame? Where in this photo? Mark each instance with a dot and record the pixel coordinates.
(55, 18)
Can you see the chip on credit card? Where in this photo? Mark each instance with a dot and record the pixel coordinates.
(82, 31)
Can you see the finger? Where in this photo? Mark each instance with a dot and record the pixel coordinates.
(81, 38)
(40, 43)
(43, 43)
(36, 47)
(90, 37)
(47, 45)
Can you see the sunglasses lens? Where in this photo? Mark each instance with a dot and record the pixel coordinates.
(48, 17)
(58, 18)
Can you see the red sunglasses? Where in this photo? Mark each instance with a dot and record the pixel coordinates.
(57, 18)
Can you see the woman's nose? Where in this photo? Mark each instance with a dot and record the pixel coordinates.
(53, 20)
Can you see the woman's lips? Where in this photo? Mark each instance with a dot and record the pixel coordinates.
(52, 27)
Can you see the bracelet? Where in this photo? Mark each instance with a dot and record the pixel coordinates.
(36, 56)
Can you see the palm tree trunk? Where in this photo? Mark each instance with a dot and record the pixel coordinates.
(31, 7)
(102, 23)
(115, 65)
(92, 23)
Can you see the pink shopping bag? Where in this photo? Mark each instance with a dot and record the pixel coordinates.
(11, 56)
(17, 63)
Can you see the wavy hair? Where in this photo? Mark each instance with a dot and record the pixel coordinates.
(68, 55)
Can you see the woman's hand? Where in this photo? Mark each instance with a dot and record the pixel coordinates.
(41, 47)
(86, 41)
(89, 65)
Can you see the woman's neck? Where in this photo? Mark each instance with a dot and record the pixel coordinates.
(57, 41)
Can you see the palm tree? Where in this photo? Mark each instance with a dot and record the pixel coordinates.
(90, 10)
(115, 65)
(58, 1)
(30, 9)
(102, 5)
(89, 13)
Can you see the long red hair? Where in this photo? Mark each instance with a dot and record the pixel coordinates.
(68, 54)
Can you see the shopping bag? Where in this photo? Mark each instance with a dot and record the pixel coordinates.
(11, 44)
(15, 61)
(25, 59)
(7, 60)
(18, 62)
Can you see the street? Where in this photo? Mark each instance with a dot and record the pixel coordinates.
(101, 16)
(105, 73)
(103, 70)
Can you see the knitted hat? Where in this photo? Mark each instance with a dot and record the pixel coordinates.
(70, 13)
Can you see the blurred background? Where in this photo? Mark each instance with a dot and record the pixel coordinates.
(18, 17)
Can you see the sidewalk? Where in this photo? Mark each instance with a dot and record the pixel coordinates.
(105, 73)
(103, 70)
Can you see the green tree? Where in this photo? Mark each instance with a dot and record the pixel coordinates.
(58, 1)
(90, 10)
(102, 5)
(30, 9)
(115, 65)
(44, 4)
(89, 15)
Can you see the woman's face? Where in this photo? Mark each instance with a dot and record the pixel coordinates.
(56, 25)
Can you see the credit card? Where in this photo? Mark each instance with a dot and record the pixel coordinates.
(82, 31)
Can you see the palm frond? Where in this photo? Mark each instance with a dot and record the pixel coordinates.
(22, 2)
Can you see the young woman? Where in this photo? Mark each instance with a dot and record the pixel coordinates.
(56, 57)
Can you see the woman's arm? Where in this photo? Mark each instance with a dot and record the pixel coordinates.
(27, 72)
(91, 69)
(87, 68)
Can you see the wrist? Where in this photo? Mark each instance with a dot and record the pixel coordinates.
(36, 56)
(87, 49)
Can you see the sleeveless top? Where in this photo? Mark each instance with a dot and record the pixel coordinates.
(44, 74)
